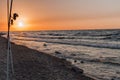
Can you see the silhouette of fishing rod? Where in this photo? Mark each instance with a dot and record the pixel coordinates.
(10, 69)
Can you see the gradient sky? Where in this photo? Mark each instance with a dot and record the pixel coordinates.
(63, 14)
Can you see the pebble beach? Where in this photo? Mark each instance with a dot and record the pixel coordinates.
(31, 64)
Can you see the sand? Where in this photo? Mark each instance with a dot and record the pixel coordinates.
(30, 64)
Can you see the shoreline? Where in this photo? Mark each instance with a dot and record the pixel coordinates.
(31, 64)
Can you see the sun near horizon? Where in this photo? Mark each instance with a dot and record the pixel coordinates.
(62, 15)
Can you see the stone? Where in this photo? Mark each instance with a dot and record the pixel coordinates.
(82, 62)
(73, 54)
(77, 70)
(44, 44)
(57, 52)
(75, 61)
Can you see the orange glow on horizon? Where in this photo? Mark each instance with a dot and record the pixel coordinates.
(72, 15)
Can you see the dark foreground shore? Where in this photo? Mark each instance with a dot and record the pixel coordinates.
(30, 64)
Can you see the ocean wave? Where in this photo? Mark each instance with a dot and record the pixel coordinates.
(97, 60)
(89, 43)
(95, 38)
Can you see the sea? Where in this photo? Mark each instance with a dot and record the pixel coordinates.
(97, 52)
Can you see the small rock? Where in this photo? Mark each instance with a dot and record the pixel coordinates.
(75, 61)
(73, 54)
(82, 62)
(75, 69)
(63, 59)
(115, 78)
(118, 72)
(57, 52)
(44, 44)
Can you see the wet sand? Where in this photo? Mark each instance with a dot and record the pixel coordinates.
(30, 64)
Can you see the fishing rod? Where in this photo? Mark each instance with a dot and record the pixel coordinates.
(10, 68)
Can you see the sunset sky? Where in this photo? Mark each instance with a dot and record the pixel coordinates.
(62, 14)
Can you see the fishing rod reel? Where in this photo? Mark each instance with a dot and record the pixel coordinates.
(15, 15)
